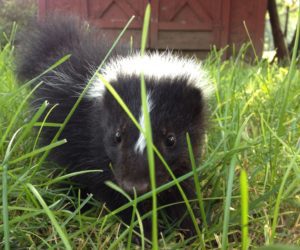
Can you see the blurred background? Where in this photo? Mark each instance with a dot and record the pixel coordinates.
(193, 27)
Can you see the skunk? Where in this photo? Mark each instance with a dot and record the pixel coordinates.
(100, 135)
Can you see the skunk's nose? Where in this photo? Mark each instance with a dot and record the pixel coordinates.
(140, 187)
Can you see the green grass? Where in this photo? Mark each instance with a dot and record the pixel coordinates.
(247, 184)
(148, 132)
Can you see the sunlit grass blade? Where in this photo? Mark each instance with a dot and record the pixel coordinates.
(28, 127)
(197, 182)
(59, 229)
(69, 176)
(41, 128)
(53, 66)
(150, 154)
(6, 238)
(48, 124)
(244, 209)
(38, 151)
(148, 131)
(145, 29)
(251, 42)
(232, 166)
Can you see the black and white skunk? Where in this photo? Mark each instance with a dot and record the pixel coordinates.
(100, 135)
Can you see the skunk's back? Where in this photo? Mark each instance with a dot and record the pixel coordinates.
(48, 41)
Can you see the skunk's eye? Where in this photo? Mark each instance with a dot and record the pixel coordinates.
(118, 137)
(170, 140)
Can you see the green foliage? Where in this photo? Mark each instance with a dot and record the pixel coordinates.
(40, 212)
(245, 105)
(15, 11)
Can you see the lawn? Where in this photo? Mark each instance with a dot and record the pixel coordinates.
(249, 173)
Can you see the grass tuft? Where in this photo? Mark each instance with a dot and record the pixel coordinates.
(244, 209)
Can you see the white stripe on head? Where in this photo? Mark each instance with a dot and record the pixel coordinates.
(97, 89)
(154, 66)
(140, 145)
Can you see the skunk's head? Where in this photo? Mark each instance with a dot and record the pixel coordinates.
(177, 90)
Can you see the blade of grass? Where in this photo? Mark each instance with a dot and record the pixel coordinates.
(145, 29)
(53, 66)
(49, 213)
(244, 209)
(47, 124)
(197, 182)
(5, 191)
(151, 163)
(38, 151)
(118, 98)
(29, 126)
(41, 128)
(251, 42)
(69, 176)
(5, 208)
(230, 186)
(148, 131)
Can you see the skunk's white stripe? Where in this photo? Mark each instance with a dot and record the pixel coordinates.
(97, 89)
(155, 66)
(140, 145)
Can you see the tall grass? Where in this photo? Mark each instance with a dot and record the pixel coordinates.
(148, 132)
(244, 138)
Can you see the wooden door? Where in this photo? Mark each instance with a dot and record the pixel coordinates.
(187, 24)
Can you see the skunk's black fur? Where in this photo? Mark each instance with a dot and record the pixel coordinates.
(100, 133)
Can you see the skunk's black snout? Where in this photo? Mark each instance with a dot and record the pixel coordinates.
(132, 172)
(140, 186)
(135, 174)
